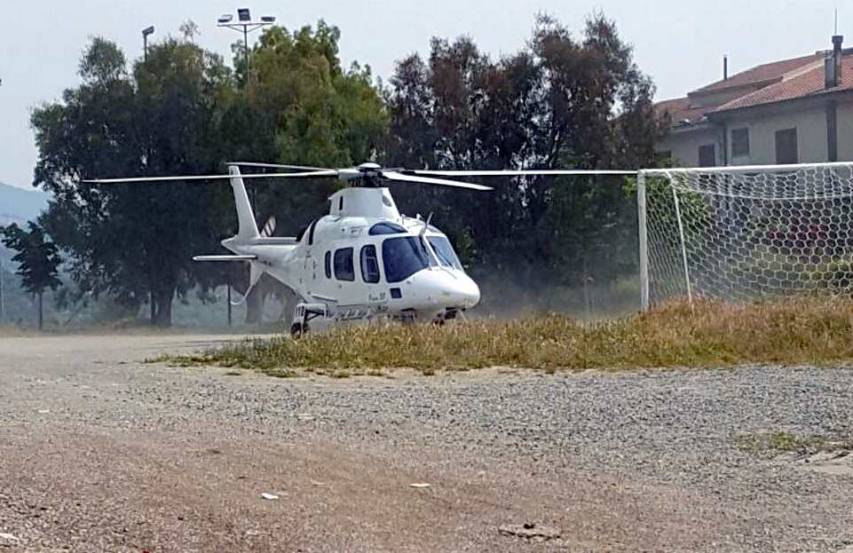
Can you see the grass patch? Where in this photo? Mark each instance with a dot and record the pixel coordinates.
(708, 334)
(771, 444)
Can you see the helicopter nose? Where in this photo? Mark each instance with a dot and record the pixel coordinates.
(469, 293)
(459, 290)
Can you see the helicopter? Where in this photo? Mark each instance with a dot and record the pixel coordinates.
(363, 260)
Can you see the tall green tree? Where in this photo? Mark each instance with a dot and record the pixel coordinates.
(183, 112)
(298, 104)
(134, 242)
(560, 102)
(309, 110)
(38, 261)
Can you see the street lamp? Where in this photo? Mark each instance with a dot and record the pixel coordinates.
(145, 32)
(245, 25)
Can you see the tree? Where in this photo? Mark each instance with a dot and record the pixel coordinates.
(299, 105)
(183, 112)
(38, 261)
(560, 102)
(133, 242)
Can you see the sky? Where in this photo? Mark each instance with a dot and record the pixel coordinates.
(679, 43)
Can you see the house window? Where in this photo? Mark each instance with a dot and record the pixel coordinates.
(708, 155)
(740, 142)
(343, 265)
(786, 146)
(369, 265)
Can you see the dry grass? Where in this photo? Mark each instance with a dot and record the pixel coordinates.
(772, 444)
(674, 335)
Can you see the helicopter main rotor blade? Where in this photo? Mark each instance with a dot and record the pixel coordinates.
(312, 174)
(404, 177)
(277, 166)
(523, 172)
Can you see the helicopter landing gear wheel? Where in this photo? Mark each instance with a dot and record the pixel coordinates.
(303, 313)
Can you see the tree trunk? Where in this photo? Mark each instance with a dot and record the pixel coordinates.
(152, 306)
(41, 310)
(162, 306)
(255, 304)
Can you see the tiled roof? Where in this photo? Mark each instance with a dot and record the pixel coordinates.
(765, 84)
(809, 83)
(762, 73)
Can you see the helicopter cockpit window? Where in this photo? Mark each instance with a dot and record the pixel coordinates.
(328, 264)
(344, 269)
(444, 251)
(369, 264)
(403, 257)
(386, 228)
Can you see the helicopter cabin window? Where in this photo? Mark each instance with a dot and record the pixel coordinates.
(444, 251)
(344, 269)
(403, 257)
(328, 264)
(341, 203)
(386, 228)
(369, 265)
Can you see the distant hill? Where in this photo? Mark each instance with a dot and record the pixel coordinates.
(18, 205)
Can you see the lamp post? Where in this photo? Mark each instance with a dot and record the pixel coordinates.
(145, 32)
(245, 25)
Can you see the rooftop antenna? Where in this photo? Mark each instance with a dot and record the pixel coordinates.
(836, 20)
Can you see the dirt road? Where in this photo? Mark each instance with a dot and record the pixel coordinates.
(100, 451)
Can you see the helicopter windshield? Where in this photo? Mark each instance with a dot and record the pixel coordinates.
(444, 251)
(403, 257)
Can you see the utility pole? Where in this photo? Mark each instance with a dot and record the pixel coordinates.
(245, 25)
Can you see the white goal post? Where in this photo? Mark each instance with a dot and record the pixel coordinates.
(745, 233)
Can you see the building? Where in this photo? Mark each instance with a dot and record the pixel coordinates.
(798, 110)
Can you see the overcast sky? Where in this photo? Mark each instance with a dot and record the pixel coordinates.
(680, 43)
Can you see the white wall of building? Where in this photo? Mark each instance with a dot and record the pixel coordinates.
(810, 123)
(845, 131)
(811, 136)
(684, 145)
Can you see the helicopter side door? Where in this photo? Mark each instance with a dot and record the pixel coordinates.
(344, 284)
(374, 292)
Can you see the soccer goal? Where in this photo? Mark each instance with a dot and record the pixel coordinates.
(744, 233)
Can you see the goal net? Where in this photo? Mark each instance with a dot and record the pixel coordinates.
(744, 233)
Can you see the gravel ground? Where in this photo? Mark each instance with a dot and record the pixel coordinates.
(100, 451)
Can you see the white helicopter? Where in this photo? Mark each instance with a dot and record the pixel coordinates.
(364, 259)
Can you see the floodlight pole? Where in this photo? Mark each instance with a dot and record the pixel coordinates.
(245, 26)
(246, 50)
(145, 32)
